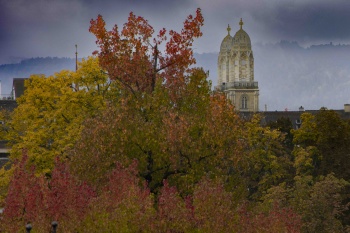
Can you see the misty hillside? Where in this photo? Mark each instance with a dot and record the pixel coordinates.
(291, 76)
(26, 67)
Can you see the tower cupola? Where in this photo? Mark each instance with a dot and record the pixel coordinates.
(227, 42)
(236, 71)
(242, 39)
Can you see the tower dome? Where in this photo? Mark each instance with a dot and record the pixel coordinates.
(241, 38)
(236, 71)
(227, 42)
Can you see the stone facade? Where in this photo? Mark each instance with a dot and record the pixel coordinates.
(236, 71)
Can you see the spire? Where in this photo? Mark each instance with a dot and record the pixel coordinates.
(228, 29)
(241, 23)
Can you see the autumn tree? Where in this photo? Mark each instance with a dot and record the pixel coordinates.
(132, 56)
(40, 200)
(322, 148)
(123, 206)
(320, 203)
(180, 142)
(49, 116)
(285, 126)
(322, 144)
(165, 108)
(265, 162)
(5, 118)
(168, 119)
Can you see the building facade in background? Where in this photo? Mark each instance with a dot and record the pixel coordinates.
(236, 71)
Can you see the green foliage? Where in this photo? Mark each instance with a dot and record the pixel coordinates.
(285, 126)
(322, 145)
(178, 140)
(320, 203)
(5, 118)
(265, 162)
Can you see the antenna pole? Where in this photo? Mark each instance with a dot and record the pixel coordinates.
(76, 58)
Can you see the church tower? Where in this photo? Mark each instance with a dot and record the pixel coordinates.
(236, 71)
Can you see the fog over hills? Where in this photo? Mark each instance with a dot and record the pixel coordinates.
(23, 69)
(289, 75)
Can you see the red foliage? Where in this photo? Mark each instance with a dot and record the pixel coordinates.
(124, 184)
(66, 195)
(25, 197)
(125, 204)
(128, 56)
(214, 207)
(36, 199)
(276, 220)
(174, 214)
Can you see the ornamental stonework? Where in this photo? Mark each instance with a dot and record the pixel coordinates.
(236, 71)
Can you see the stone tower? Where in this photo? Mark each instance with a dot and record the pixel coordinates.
(236, 71)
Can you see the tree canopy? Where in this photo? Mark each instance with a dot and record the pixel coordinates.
(49, 116)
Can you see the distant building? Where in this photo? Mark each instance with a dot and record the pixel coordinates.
(294, 116)
(236, 71)
(9, 103)
(18, 87)
(236, 80)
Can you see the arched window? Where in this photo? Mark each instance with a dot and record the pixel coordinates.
(244, 104)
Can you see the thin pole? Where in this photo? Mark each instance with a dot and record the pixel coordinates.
(76, 58)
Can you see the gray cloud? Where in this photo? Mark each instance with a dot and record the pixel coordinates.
(307, 21)
(53, 27)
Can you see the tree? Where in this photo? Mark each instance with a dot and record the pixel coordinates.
(322, 148)
(49, 116)
(5, 118)
(214, 207)
(179, 141)
(323, 143)
(285, 126)
(167, 118)
(319, 202)
(265, 162)
(129, 57)
(123, 206)
(38, 200)
(322, 206)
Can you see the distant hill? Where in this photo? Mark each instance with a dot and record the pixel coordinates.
(40, 65)
(291, 76)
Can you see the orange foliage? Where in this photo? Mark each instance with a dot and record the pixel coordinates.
(129, 57)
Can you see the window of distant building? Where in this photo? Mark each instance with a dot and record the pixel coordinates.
(244, 103)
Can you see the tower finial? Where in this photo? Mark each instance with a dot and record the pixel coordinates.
(241, 23)
(228, 29)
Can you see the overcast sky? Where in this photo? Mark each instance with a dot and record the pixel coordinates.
(32, 28)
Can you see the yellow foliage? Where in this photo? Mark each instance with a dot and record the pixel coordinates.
(50, 114)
